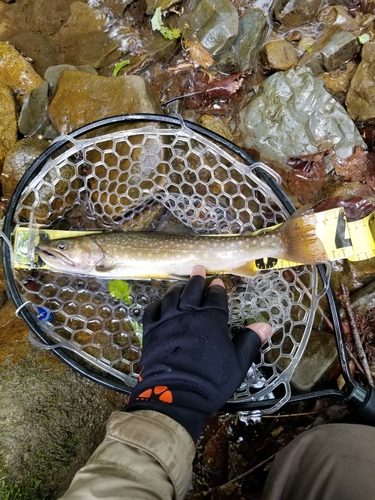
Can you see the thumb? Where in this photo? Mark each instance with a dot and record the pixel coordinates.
(247, 344)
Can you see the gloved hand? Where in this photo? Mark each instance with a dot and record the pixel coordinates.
(189, 365)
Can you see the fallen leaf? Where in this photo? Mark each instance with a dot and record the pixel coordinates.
(308, 176)
(356, 208)
(358, 167)
(198, 55)
(224, 87)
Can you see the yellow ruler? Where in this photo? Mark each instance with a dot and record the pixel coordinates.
(341, 239)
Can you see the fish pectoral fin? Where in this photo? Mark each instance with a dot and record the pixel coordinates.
(105, 266)
(248, 270)
(100, 268)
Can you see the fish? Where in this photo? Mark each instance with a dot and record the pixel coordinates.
(139, 254)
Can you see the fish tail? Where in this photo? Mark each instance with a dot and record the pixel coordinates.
(300, 241)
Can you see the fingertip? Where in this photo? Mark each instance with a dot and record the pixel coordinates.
(263, 330)
(217, 281)
(198, 271)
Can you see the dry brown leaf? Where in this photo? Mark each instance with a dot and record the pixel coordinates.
(358, 167)
(198, 55)
(308, 176)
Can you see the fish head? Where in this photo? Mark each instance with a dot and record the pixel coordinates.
(76, 254)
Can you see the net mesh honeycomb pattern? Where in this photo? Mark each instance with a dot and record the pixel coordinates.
(165, 179)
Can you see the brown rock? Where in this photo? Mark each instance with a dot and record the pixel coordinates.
(291, 13)
(82, 98)
(316, 363)
(16, 72)
(84, 38)
(18, 159)
(337, 82)
(280, 55)
(8, 122)
(360, 101)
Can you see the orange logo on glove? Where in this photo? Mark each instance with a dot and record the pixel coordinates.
(162, 391)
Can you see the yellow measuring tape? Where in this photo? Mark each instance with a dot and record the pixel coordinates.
(341, 239)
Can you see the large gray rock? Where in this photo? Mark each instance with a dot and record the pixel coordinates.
(213, 23)
(360, 100)
(294, 115)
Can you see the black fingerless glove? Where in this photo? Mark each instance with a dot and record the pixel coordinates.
(190, 366)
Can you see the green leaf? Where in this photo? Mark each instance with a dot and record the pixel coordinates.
(156, 20)
(120, 290)
(157, 25)
(362, 39)
(138, 330)
(170, 33)
(119, 66)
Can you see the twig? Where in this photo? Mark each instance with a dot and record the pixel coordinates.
(345, 300)
(324, 316)
(241, 476)
(293, 414)
(355, 360)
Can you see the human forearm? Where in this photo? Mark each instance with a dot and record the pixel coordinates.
(145, 454)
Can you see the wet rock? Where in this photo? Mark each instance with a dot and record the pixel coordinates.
(316, 363)
(360, 101)
(293, 36)
(17, 161)
(354, 275)
(8, 122)
(334, 48)
(152, 5)
(337, 82)
(338, 15)
(51, 419)
(294, 115)
(33, 118)
(212, 23)
(82, 98)
(363, 299)
(250, 33)
(279, 55)
(293, 13)
(53, 73)
(228, 62)
(16, 72)
(84, 38)
(217, 125)
(38, 47)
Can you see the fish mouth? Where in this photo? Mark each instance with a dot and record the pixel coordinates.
(48, 255)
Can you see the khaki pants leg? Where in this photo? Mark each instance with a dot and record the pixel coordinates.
(330, 462)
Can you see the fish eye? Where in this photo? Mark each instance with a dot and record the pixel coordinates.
(62, 245)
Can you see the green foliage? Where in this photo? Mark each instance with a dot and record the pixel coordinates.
(157, 25)
(120, 290)
(138, 330)
(119, 66)
(9, 492)
(362, 39)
